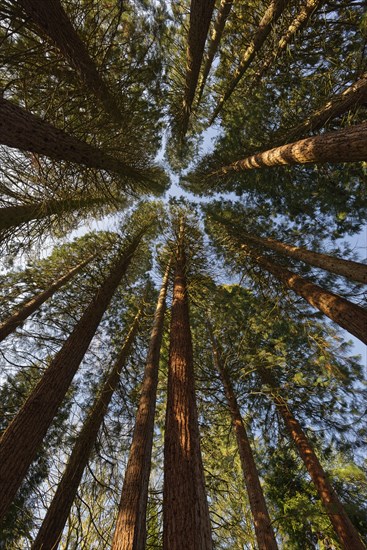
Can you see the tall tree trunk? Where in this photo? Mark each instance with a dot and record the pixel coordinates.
(130, 533)
(53, 21)
(12, 323)
(20, 441)
(347, 533)
(271, 15)
(353, 271)
(22, 130)
(263, 529)
(52, 526)
(223, 13)
(186, 522)
(347, 145)
(349, 316)
(200, 16)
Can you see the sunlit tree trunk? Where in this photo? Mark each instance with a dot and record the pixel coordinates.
(347, 145)
(52, 526)
(270, 17)
(348, 535)
(263, 530)
(11, 323)
(52, 20)
(22, 438)
(130, 533)
(186, 522)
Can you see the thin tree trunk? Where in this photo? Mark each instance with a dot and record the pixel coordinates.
(347, 533)
(223, 13)
(52, 526)
(271, 15)
(22, 130)
(353, 271)
(347, 145)
(22, 438)
(263, 529)
(200, 16)
(297, 24)
(53, 21)
(349, 316)
(130, 533)
(186, 522)
(12, 323)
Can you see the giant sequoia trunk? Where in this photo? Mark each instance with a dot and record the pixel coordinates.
(52, 20)
(11, 323)
(186, 522)
(130, 533)
(348, 535)
(263, 529)
(270, 17)
(22, 438)
(347, 145)
(51, 530)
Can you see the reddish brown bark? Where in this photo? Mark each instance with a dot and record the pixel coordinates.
(53, 21)
(347, 533)
(130, 533)
(12, 323)
(20, 441)
(347, 145)
(353, 271)
(186, 522)
(263, 529)
(52, 526)
(349, 316)
(270, 17)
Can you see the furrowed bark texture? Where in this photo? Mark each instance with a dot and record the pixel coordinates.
(52, 526)
(53, 21)
(349, 316)
(20, 441)
(347, 533)
(271, 15)
(223, 14)
(353, 271)
(20, 129)
(130, 533)
(262, 523)
(11, 323)
(186, 522)
(348, 145)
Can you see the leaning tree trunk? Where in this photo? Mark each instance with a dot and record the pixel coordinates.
(130, 533)
(347, 533)
(347, 145)
(22, 438)
(200, 16)
(51, 18)
(271, 15)
(12, 323)
(263, 530)
(52, 526)
(186, 522)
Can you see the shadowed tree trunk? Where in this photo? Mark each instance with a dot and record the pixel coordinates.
(347, 145)
(12, 323)
(130, 533)
(223, 13)
(52, 526)
(54, 23)
(200, 16)
(22, 438)
(263, 529)
(186, 522)
(347, 533)
(270, 17)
